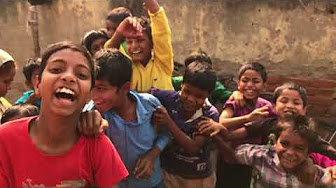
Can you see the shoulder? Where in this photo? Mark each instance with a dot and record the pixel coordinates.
(15, 127)
(257, 151)
(230, 103)
(164, 95)
(211, 111)
(263, 101)
(147, 99)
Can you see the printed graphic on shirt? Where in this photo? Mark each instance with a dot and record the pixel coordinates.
(65, 183)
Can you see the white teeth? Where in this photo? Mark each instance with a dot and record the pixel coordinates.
(65, 90)
(136, 52)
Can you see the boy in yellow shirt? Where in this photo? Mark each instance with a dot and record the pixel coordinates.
(149, 46)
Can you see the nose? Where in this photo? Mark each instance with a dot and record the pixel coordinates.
(68, 76)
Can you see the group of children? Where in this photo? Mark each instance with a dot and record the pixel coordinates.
(156, 136)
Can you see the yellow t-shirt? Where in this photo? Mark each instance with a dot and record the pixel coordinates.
(4, 105)
(158, 71)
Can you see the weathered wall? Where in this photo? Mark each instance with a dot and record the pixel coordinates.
(295, 40)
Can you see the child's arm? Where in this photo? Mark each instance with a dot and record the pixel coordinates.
(152, 6)
(190, 145)
(229, 121)
(129, 27)
(144, 167)
(161, 35)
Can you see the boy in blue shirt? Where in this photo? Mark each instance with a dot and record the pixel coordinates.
(129, 116)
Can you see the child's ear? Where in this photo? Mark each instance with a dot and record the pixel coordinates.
(126, 87)
(36, 85)
(305, 110)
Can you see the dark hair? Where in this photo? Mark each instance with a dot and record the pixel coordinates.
(30, 66)
(253, 66)
(18, 111)
(201, 76)
(300, 125)
(67, 45)
(200, 56)
(118, 14)
(9, 65)
(114, 67)
(291, 86)
(91, 36)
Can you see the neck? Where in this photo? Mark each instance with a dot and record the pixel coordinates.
(145, 61)
(127, 108)
(54, 134)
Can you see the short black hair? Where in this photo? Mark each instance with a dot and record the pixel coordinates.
(200, 56)
(53, 48)
(91, 36)
(200, 75)
(300, 125)
(19, 110)
(118, 14)
(291, 86)
(114, 67)
(253, 66)
(30, 66)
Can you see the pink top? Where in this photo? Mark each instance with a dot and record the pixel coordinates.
(322, 160)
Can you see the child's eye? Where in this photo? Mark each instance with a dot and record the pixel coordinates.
(284, 144)
(55, 70)
(82, 76)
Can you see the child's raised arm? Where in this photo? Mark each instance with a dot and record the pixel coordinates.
(152, 6)
(227, 119)
(129, 27)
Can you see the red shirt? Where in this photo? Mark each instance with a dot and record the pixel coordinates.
(91, 161)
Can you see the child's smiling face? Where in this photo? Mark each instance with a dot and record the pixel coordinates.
(65, 83)
(291, 149)
(193, 98)
(250, 84)
(289, 103)
(139, 48)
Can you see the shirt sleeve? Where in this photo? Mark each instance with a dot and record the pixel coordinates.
(248, 153)
(109, 168)
(162, 44)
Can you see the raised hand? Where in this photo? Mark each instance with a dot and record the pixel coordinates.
(259, 113)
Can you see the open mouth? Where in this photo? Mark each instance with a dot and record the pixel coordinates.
(65, 93)
(136, 51)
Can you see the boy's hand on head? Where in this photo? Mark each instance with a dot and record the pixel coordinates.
(91, 123)
(161, 116)
(129, 28)
(238, 97)
(259, 113)
(209, 127)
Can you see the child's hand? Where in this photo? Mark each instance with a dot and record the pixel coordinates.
(209, 127)
(91, 123)
(130, 27)
(259, 113)
(238, 97)
(161, 116)
(144, 167)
